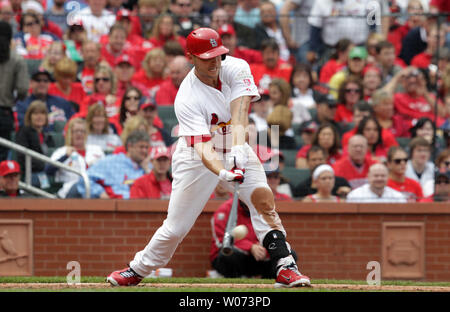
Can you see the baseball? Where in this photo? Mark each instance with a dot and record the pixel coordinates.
(239, 232)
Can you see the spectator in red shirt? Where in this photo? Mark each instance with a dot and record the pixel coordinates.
(337, 61)
(158, 183)
(9, 179)
(416, 101)
(178, 68)
(350, 92)
(398, 33)
(91, 58)
(396, 163)
(435, 40)
(31, 42)
(116, 44)
(151, 75)
(104, 92)
(164, 30)
(326, 137)
(35, 7)
(371, 81)
(124, 70)
(272, 66)
(440, 6)
(56, 51)
(134, 43)
(249, 257)
(372, 131)
(230, 40)
(383, 109)
(65, 85)
(354, 166)
(273, 180)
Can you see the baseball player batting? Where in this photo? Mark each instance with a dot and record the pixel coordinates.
(212, 110)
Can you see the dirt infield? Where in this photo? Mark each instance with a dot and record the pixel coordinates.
(186, 286)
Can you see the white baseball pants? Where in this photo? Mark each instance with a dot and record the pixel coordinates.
(192, 186)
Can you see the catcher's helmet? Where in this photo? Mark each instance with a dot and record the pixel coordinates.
(205, 43)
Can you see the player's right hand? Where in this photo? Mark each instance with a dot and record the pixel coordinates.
(235, 174)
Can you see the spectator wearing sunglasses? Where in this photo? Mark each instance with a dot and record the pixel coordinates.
(58, 108)
(350, 93)
(442, 163)
(31, 42)
(104, 92)
(441, 188)
(396, 163)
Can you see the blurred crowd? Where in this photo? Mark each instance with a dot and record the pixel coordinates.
(355, 98)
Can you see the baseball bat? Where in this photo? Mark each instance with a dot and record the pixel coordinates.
(228, 239)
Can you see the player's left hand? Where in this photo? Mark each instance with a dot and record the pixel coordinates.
(235, 174)
(237, 157)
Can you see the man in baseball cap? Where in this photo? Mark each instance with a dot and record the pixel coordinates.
(230, 41)
(9, 179)
(158, 183)
(124, 70)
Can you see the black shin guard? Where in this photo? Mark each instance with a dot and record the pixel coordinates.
(275, 243)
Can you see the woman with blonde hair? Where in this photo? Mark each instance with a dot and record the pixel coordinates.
(131, 124)
(55, 52)
(281, 116)
(99, 129)
(323, 180)
(33, 135)
(151, 75)
(76, 154)
(65, 74)
(104, 92)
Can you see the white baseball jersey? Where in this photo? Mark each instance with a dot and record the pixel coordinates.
(364, 194)
(205, 111)
(353, 24)
(96, 26)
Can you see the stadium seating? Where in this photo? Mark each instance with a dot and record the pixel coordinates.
(167, 115)
(294, 175)
(289, 157)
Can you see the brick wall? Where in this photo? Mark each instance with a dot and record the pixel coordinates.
(333, 241)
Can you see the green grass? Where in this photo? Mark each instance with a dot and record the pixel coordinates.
(198, 280)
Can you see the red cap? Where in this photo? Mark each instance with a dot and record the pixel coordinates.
(371, 67)
(160, 151)
(226, 29)
(75, 21)
(205, 43)
(8, 167)
(124, 58)
(147, 103)
(123, 14)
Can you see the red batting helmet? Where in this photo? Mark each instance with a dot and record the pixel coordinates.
(205, 43)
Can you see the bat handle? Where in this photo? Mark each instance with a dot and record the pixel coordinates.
(227, 249)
